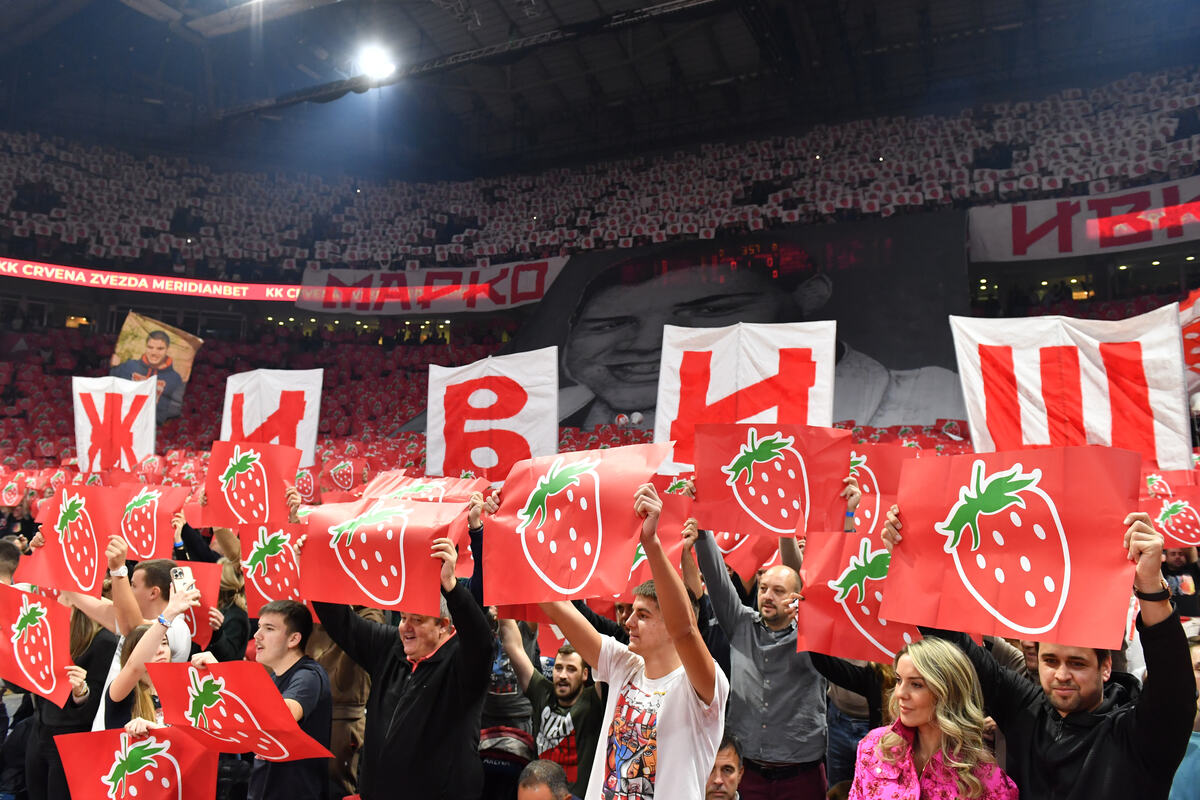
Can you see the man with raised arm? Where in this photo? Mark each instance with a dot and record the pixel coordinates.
(1086, 732)
(666, 701)
(428, 680)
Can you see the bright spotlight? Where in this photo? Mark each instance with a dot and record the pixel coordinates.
(375, 62)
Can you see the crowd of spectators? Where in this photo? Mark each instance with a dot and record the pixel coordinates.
(64, 202)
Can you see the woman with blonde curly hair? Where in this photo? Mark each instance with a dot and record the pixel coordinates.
(935, 749)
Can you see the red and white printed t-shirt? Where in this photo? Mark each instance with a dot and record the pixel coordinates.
(656, 733)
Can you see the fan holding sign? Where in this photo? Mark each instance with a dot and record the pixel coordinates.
(1086, 731)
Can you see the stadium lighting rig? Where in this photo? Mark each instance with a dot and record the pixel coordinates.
(375, 63)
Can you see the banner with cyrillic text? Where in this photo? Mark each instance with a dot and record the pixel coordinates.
(486, 416)
(274, 406)
(436, 291)
(1147, 216)
(1064, 382)
(114, 422)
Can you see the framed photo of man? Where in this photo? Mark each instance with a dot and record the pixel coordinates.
(147, 348)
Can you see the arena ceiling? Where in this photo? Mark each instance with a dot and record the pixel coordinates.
(500, 84)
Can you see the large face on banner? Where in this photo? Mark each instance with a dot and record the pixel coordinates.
(614, 345)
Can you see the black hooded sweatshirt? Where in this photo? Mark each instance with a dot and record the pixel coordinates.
(1128, 747)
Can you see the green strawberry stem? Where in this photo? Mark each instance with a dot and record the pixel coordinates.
(557, 479)
(1172, 509)
(29, 617)
(372, 516)
(141, 500)
(864, 566)
(71, 509)
(241, 463)
(988, 494)
(755, 451)
(205, 693)
(130, 761)
(856, 461)
(266, 547)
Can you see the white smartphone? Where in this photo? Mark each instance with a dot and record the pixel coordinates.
(182, 579)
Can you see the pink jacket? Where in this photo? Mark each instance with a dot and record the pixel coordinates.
(876, 779)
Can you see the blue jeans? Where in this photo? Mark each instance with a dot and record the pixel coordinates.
(841, 747)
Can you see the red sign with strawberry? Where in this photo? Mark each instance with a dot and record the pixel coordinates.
(146, 519)
(1022, 544)
(35, 643)
(773, 480)
(1176, 515)
(877, 469)
(270, 564)
(77, 520)
(208, 582)
(232, 707)
(246, 483)
(566, 526)
(396, 485)
(377, 552)
(169, 764)
(843, 589)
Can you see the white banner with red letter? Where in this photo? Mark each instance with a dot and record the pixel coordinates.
(274, 406)
(485, 417)
(1148, 216)
(749, 372)
(436, 291)
(1189, 321)
(1059, 381)
(114, 422)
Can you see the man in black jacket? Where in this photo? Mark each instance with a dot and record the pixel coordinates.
(1087, 733)
(428, 680)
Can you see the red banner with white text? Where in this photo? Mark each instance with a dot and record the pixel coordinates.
(1104, 222)
(439, 291)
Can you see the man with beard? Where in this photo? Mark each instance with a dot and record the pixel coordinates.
(566, 711)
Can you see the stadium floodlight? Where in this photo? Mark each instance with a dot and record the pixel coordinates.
(375, 63)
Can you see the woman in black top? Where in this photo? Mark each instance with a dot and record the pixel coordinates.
(92, 651)
(233, 630)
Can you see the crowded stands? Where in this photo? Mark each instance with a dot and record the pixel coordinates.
(712, 672)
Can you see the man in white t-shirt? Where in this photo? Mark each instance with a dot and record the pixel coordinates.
(666, 700)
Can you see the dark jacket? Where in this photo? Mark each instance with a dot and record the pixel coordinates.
(1129, 747)
(422, 734)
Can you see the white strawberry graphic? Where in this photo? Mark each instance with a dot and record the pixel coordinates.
(765, 476)
(1180, 521)
(244, 485)
(139, 523)
(727, 542)
(557, 520)
(1024, 552)
(1157, 486)
(370, 548)
(868, 484)
(81, 548)
(32, 642)
(224, 716)
(273, 566)
(144, 768)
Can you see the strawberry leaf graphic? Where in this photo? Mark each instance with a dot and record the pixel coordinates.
(856, 461)
(755, 451)
(557, 479)
(868, 565)
(373, 516)
(130, 761)
(72, 507)
(204, 694)
(142, 499)
(30, 616)
(239, 464)
(987, 494)
(267, 546)
(1172, 509)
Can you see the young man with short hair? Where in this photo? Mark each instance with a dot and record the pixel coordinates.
(666, 700)
(566, 711)
(1079, 735)
(283, 630)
